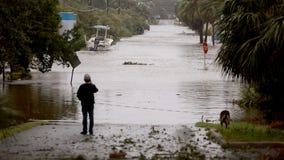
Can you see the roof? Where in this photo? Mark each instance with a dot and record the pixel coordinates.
(102, 27)
(68, 16)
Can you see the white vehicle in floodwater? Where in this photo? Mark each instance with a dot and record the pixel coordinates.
(100, 40)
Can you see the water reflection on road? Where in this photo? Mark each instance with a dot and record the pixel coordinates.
(172, 86)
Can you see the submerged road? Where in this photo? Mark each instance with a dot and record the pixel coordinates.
(153, 88)
(169, 83)
(166, 80)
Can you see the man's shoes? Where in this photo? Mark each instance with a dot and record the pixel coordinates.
(91, 132)
(84, 133)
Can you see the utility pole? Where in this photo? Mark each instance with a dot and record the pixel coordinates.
(119, 7)
(107, 5)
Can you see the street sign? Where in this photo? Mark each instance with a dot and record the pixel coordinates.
(75, 62)
(205, 47)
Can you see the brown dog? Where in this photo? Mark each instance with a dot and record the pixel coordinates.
(225, 118)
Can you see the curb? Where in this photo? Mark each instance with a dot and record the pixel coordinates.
(253, 144)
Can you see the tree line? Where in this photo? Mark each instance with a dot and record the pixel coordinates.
(252, 36)
(164, 8)
(197, 13)
(125, 19)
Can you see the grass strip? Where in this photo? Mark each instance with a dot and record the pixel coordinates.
(245, 132)
(19, 128)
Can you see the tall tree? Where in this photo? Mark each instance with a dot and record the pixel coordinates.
(29, 35)
(252, 36)
(197, 13)
(189, 13)
(210, 10)
(14, 41)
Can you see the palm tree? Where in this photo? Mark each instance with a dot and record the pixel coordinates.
(252, 37)
(210, 10)
(196, 13)
(189, 13)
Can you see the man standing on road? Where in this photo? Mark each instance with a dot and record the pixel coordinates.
(86, 96)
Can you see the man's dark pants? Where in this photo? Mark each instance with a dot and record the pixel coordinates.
(88, 109)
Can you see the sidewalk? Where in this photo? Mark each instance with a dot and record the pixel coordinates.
(62, 140)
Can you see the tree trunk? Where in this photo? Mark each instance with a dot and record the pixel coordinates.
(3, 71)
(107, 6)
(206, 31)
(201, 34)
(119, 6)
(213, 35)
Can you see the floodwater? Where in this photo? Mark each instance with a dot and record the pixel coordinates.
(173, 83)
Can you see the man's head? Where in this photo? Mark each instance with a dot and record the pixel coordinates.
(87, 78)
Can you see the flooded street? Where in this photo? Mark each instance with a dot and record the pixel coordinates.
(170, 84)
(153, 88)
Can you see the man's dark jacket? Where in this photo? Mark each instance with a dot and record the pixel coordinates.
(86, 93)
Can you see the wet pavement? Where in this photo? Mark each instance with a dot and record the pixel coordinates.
(61, 140)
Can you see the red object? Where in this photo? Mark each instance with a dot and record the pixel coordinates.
(205, 47)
